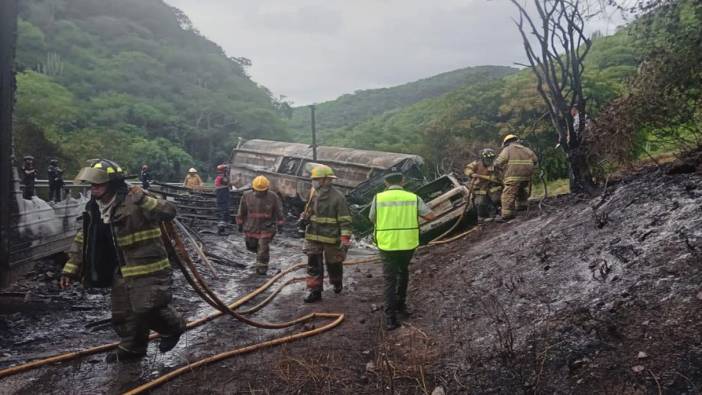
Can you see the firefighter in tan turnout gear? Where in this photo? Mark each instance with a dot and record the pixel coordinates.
(328, 233)
(486, 186)
(260, 214)
(517, 164)
(120, 246)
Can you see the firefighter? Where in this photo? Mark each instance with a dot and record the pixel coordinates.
(395, 215)
(145, 177)
(516, 163)
(192, 180)
(223, 198)
(120, 247)
(327, 234)
(485, 184)
(259, 216)
(55, 181)
(29, 176)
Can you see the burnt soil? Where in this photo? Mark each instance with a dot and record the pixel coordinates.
(577, 295)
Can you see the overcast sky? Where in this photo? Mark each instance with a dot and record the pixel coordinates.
(316, 50)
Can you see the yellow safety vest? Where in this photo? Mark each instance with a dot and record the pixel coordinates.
(396, 222)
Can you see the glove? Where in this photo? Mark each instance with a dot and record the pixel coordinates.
(136, 195)
(346, 241)
(240, 227)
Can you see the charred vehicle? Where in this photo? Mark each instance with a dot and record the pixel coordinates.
(360, 176)
(288, 165)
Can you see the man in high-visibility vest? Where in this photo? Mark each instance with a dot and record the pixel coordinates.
(395, 215)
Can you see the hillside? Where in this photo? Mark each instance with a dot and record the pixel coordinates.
(132, 80)
(351, 109)
(449, 129)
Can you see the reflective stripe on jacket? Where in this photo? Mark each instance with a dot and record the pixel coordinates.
(518, 163)
(396, 220)
(260, 213)
(329, 216)
(136, 235)
(483, 186)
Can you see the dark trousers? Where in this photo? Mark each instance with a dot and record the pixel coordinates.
(140, 305)
(55, 192)
(396, 278)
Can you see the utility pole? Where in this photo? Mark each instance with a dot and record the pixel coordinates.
(8, 40)
(314, 134)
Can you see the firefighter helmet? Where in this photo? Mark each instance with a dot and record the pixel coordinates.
(100, 171)
(260, 184)
(192, 170)
(487, 153)
(509, 138)
(322, 171)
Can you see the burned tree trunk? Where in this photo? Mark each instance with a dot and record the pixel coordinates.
(557, 62)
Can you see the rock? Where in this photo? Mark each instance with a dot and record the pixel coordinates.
(369, 275)
(370, 366)
(418, 272)
(365, 352)
(362, 321)
(638, 368)
(699, 295)
(438, 391)
(49, 274)
(374, 307)
(641, 355)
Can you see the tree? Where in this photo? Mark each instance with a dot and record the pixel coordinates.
(556, 59)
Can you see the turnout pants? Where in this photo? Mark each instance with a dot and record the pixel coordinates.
(514, 197)
(317, 255)
(396, 278)
(486, 203)
(262, 248)
(142, 304)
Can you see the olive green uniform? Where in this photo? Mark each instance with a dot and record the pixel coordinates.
(329, 219)
(260, 214)
(141, 286)
(517, 163)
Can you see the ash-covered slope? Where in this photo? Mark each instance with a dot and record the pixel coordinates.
(574, 299)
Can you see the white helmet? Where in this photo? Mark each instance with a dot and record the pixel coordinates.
(192, 170)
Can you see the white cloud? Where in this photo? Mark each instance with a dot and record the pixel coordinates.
(317, 50)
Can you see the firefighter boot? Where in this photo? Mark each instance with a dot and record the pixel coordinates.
(313, 296)
(403, 311)
(391, 322)
(168, 342)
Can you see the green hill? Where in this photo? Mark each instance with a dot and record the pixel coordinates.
(131, 80)
(448, 130)
(352, 109)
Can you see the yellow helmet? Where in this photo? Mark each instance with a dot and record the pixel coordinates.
(100, 171)
(260, 184)
(322, 171)
(509, 138)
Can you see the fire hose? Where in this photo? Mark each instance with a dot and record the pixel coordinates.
(195, 280)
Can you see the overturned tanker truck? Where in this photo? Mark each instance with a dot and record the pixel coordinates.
(360, 176)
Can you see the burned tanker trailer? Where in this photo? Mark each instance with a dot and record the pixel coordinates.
(360, 176)
(30, 228)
